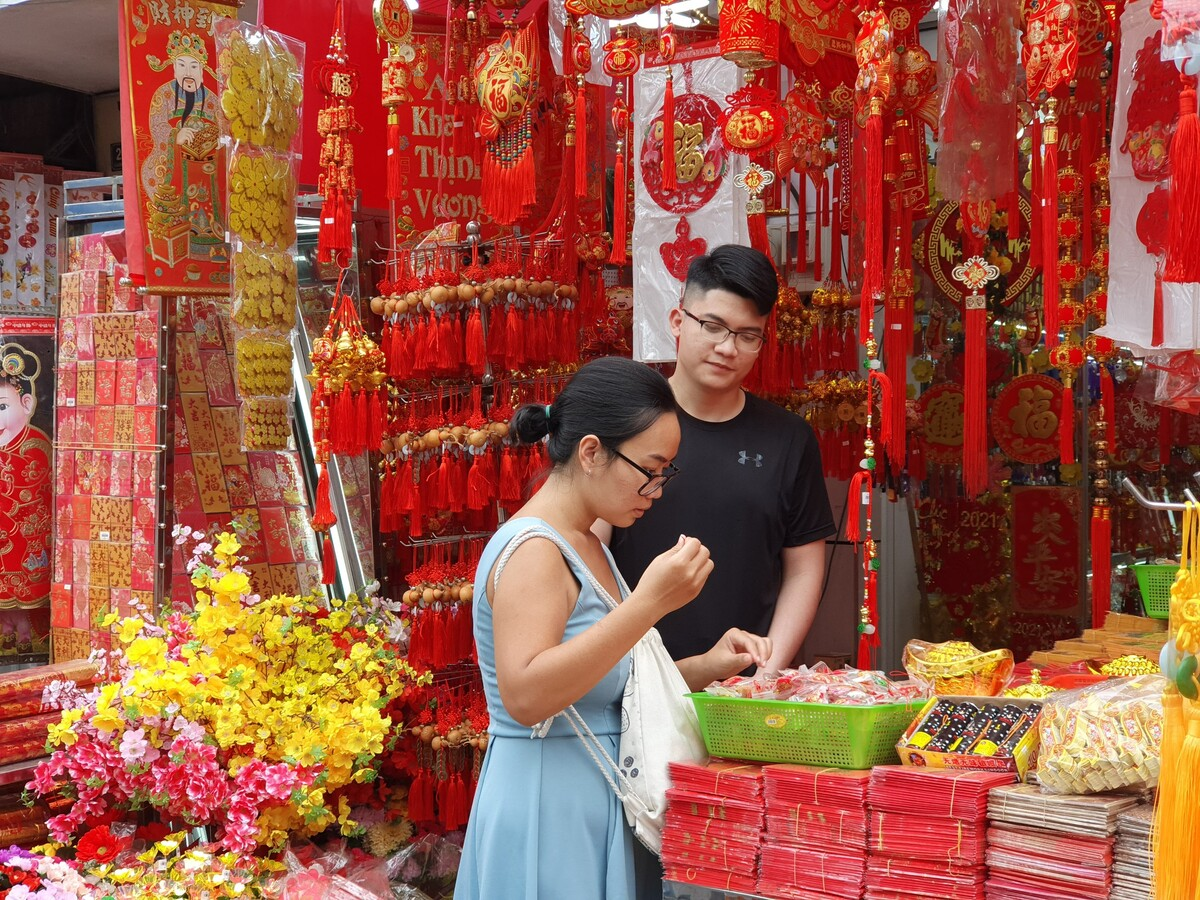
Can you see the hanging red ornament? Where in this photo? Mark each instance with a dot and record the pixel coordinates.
(975, 273)
(874, 50)
(666, 51)
(506, 80)
(336, 122)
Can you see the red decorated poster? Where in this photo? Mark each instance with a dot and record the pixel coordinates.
(1046, 554)
(174, 164)
(959, 542)
(26, 425)
(429, 163)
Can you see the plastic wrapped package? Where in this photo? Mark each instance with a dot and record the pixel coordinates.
(262, 197)
(266, 423)
(264, 365)
(957, 667)
(426, 868)
(1177, 381)
(262, 78)
(977, 52)
(264, 289)
(1102, 738)
(333, 873)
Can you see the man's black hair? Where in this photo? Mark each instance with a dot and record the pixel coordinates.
(740, 270)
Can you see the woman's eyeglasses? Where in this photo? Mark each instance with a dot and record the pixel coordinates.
(654, 481)
(716, 332)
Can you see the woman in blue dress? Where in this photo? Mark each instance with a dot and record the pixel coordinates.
(545, 825)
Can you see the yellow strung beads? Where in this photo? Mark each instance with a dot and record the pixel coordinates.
(264, 290)
(262, 189)
(265, 423)
(263, 90)
(1128, 665)
(264, 367)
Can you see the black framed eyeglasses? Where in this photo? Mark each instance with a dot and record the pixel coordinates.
(716, 332)
(654, 480)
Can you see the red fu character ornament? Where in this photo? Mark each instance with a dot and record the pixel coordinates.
(975, 273)
(506, 79)
(393, 23)
(338, 81)
(622, 59)
(754, 181)
(875, 52)
(752, 125)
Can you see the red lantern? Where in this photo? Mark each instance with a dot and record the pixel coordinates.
(615, 9)
(748, 36)
(754, 122)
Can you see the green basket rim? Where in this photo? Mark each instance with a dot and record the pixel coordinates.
(792, 704)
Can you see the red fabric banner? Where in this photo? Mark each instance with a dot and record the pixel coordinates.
(1046, 549)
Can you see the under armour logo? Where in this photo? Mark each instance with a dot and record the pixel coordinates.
(744, 457)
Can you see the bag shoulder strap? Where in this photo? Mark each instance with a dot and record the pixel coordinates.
(539, 530)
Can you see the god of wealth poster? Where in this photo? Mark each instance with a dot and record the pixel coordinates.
(175, 175)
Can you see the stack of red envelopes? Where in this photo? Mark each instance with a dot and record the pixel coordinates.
(815, 847)
(714, 825)
(1043, 845)
(927, 832)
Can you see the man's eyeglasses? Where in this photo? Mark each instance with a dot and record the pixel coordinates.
(654, 481)
(716, 332)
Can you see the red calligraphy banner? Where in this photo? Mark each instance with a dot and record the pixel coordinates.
(1046, 556)
(174, 164)
(441, 175)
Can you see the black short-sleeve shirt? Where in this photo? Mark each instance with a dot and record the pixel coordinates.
(746, 489)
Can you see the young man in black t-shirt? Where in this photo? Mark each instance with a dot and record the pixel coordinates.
(750, 484)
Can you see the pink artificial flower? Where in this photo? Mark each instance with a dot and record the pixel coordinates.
(134, 746)
(280, 781)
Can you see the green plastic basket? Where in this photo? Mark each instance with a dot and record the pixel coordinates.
(1155, 582)
(814, 734)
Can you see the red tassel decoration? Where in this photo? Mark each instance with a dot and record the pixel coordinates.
(362, 422)
(802, 234)
(858, 498)
(1035, 181)
(1066, 425)
(669, 179)
(395, 175)
(1109, 406)
(476, 350)
(581, 156)
(975, 450)
(822, 194)
(1183, 260)
(872, 283)
(1101, 543)
(886, 409)
(620, 255)
(1050, 298)
(1157, 336)
(323, 518)
(328, 562)
(375, 420)
(835, 246)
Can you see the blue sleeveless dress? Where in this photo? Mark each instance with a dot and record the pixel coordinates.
(545, 825)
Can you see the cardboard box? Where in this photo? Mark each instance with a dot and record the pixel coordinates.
(1021, 762)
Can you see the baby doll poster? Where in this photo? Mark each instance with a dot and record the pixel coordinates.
(26, 491)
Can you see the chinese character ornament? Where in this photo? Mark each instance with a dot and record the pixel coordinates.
(338, 81)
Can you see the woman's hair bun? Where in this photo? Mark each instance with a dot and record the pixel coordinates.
(531, 423)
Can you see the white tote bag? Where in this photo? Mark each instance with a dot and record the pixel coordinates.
(658, 722)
